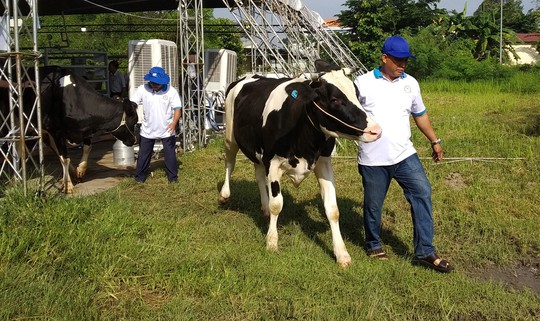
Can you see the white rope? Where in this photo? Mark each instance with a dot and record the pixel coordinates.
(479, 158)
(450, 160)
(337, 119)
(460, 158)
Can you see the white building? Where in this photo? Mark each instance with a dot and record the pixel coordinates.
(527, 50)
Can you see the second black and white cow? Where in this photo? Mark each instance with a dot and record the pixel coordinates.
(73, 111)
(289, 126)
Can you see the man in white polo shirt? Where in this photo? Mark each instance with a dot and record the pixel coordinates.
(162, 111)
(391, 96)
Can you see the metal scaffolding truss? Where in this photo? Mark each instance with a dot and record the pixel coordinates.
(314, 34)
(286, 37)
(191, 54)
(21, 148)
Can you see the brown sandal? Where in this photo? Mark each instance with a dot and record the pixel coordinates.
(378, 254)
(433, 261)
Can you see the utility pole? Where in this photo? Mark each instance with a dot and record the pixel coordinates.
(501, 36)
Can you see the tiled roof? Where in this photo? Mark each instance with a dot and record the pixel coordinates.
(332, 22)
(529, 37)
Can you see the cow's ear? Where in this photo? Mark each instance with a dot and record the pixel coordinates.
(299, 93)
(348, 71)
(323, 66)
(129, 106)
(316, 84)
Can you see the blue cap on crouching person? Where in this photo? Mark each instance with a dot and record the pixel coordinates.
(157, 75)
(396, 46)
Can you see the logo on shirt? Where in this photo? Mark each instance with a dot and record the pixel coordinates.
(407, 89)
(165, 97)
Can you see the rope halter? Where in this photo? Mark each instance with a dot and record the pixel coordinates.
(337, 119)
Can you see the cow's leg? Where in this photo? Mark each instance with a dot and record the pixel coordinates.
(275, 204)
(325, 176)
(67, 185)
(231, 149)
(59, 147)
(81, 168)
(260, 176)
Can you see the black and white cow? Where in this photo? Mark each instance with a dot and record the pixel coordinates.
(289, 126)
(73, 111)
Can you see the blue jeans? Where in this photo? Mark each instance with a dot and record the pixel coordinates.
(410, 175)
(146, 149)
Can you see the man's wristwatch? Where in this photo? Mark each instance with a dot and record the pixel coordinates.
(438, 141)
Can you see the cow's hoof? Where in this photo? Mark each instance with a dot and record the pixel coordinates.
(223, 200)
(80, 171)
(344, 262)
(272, 244)
(66, 188)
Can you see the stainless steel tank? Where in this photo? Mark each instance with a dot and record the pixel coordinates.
(122, 154)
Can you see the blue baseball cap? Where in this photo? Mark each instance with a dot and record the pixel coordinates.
(157, 75)
(396, 46)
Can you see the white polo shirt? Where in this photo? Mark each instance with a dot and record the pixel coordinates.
(390, 104)
(158, 109)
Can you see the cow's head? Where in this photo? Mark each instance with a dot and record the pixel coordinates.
(126, 130)
(337, 107)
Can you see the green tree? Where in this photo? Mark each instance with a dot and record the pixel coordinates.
(371, 21)
(363, 17)
(454, 60)
(513, 16)
(111, 32)
(481, 30)
(487, 36)
(222, 33)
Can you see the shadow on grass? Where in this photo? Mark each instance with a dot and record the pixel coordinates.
(245, 199)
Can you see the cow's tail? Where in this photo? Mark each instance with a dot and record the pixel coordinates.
(229, 114)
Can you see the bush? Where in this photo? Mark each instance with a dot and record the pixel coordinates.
(440, 59)
(437, 58)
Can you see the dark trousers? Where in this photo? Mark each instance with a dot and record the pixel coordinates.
(146, 149)
(411, 176)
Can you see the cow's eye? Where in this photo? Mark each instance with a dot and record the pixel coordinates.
(333, 100)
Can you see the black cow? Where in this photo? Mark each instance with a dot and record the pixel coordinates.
(289, 126)
(73, 111)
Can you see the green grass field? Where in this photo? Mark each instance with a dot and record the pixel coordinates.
(155, 251)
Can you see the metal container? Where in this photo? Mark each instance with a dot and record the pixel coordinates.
(122, 154)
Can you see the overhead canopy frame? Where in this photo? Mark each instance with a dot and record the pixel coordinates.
(68, 7)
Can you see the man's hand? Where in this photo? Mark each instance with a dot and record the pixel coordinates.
(437, 154)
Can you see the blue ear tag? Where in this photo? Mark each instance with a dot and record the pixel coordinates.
(294, 94)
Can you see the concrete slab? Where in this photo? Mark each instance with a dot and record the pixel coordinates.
(101, 174)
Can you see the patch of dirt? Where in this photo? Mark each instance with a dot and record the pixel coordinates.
(525, 275)
(533, 126)
(455, 180)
